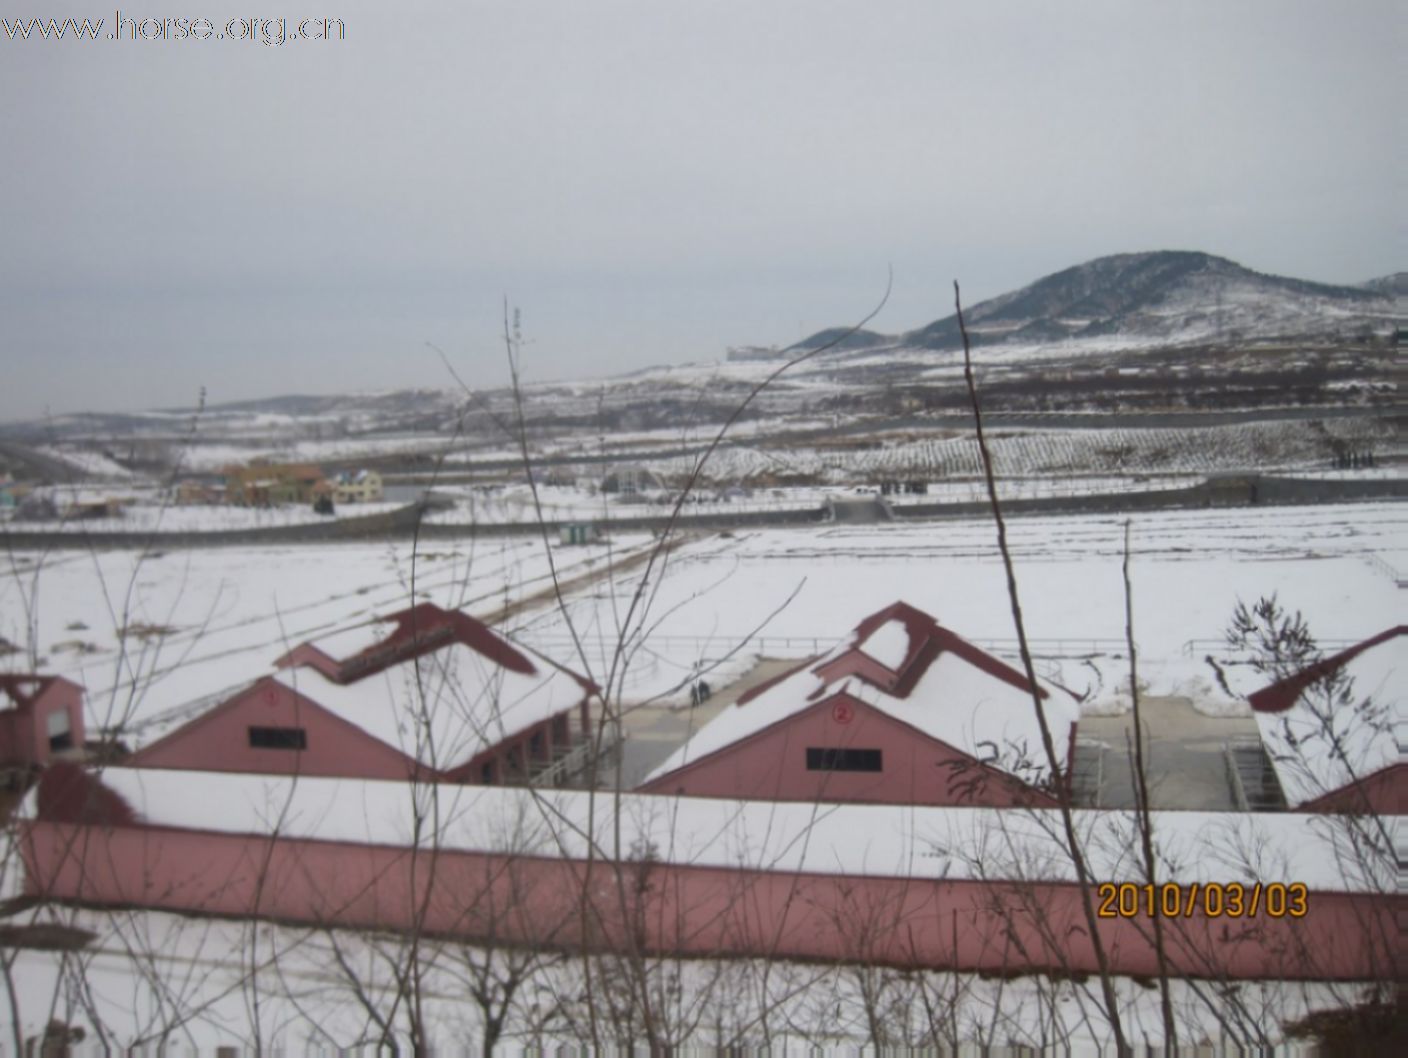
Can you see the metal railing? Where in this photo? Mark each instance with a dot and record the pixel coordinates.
(1088, 772)
(812, 646)
(1389, 571)
(1252, 777)
(1194, 647)
(567, 766)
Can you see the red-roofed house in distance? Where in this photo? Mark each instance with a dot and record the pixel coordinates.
(438, 696)
(41, 717)
(1336, 731)
(903, 712)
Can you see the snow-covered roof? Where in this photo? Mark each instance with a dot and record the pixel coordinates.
(1323, 735)
(852, 839)
(905, 664)
(888, 644)
(445, 706)
(440, 686)
(354, 640)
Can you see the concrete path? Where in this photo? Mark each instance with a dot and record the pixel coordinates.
(653, 732)
(1183, 755)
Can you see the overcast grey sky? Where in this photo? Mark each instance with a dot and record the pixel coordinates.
(650, 181)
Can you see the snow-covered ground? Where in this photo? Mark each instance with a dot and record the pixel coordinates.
(214, 456)
(85, 461)
(499, 504)
(802, 590)
(1264, 447)
(199, 622)
(205, 620)
(181, 984)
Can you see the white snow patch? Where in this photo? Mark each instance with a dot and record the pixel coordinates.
(888, 644)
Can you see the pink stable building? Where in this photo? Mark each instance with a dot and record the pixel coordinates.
(438, 696)
(985, 889)
(40, 717)
(1339, 746)
(903, 712)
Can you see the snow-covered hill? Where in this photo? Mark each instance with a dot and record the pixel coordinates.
(1167, 296)
(1167, 329)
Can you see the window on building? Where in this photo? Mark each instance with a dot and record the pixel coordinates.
(828, 759)
(60, 731)
(278, 738)
(537, 746)
(488, 773)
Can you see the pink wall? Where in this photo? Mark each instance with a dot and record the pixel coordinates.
(499, 756)
(219, 740)
(701, 911)
(24, 729)
(772, 766)
(1385, 791)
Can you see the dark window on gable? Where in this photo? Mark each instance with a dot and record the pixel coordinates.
(60, 731)
(843, 760)
(278, 738)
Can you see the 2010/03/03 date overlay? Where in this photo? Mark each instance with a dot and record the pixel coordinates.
(1213, 899)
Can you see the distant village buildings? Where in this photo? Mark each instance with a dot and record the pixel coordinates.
(269, 484)
(628, 480)
(356, 486)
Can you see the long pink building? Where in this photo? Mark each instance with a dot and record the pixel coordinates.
(941, 887)
(902, 712)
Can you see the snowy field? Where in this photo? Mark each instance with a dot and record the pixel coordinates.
(801, 590)
(145, 636)
(161, 983)
(195, 623)
(499, 504)
(198, 622)
(1266, 447)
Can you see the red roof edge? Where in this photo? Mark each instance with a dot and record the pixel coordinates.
(981, 659)
(917, 624)
(927, 640)
(1281, 695)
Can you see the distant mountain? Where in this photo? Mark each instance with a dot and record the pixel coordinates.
(861, 339)
(1395, 285)
(1162, 296)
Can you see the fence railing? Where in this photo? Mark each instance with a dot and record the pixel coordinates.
(1388, 570)
(575, 761)
(811, 646)
(1196, 647)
